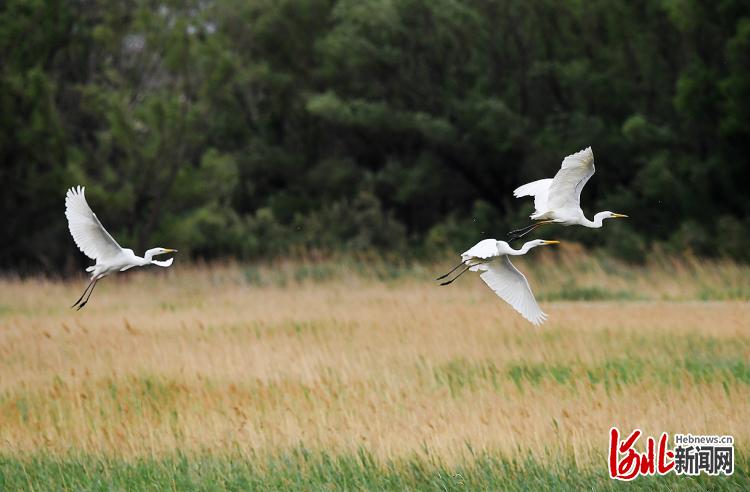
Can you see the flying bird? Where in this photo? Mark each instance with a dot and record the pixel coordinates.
(492, 259)
(558, 200)
(95, 242)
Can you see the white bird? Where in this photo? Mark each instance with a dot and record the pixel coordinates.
(558, 200)
(491, 258)
(95, 242)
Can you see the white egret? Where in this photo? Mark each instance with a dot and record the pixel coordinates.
(95, 242)
(491, 258)
(558, 200)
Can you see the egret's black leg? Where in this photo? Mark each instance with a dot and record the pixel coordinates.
(84, 293)
(441, 277)
(519, 233)
(461, 273)
(88, 296)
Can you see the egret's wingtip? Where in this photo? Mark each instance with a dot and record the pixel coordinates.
(539, 320)
(76, 190)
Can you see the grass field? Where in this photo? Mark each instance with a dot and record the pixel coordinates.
(357, 374)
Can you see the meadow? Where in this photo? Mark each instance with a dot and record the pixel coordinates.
(362, 373)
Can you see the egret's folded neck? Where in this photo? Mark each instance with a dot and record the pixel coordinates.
(598, 220)
(164, 263)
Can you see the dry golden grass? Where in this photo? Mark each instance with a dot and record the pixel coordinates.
(231, 358)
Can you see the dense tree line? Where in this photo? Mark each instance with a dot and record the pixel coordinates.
(258, 128)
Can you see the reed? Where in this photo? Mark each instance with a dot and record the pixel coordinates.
(342, 356)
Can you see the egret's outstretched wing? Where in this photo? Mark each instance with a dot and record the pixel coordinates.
(88, 233)
(576, 169)
(539, 190)
(512, 287)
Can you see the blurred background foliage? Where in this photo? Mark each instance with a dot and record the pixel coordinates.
(264, 128)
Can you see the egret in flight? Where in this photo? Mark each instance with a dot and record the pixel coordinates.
(491, 258)
(95, 242)
(558, 200)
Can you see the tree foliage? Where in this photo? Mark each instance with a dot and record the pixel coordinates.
(264, 127)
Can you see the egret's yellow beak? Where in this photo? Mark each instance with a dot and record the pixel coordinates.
(619, 216)
(170, 250)
(551, 242)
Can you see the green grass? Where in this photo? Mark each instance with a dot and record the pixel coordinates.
(304, 470)
(572, 292)
(573, 277)
(726, 293)
(713, 363)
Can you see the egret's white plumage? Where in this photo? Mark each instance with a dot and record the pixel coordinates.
(491, 258)
(558, 200)
(95, 242)
(88, 233)
(539, 190)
